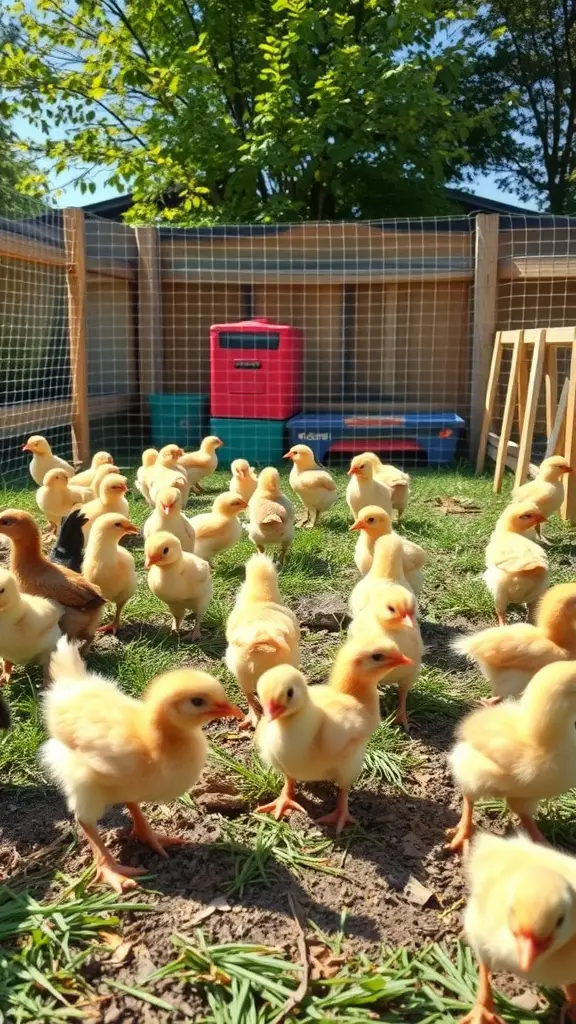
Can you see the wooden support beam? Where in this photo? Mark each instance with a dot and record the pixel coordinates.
(76, 279)
(557, 434)
(569, 506)
(484, 323)
(551, 384)
(508, 415)
(491, 393)
(311, 278)
(534, 386)
(150, 334)
(18, 247)
(511, 457)
(536, 268)
(32, 416)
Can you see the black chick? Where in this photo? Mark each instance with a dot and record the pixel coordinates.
(69, 546)
(4, 714)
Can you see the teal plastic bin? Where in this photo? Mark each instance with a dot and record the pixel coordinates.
(178, 419)
(262, 442)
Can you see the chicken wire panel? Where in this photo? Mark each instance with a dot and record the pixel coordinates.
(35, 380)
(536, 289)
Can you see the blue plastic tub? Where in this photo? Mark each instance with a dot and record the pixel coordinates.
(181, 419)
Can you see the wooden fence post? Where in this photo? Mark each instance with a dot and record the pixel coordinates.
(74, 240)
(484, 319)
(569, 506)
(150, 340)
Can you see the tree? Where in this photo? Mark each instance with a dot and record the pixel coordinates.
(14, 167)
(524, 52)
(245, 110)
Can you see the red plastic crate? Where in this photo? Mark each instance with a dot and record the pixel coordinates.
(255, 370)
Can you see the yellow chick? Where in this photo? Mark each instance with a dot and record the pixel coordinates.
(270, 514)
(244, 479)
(43, 460)
(313, 484)
(387, 567)
(168, 517)
(148, 460)
(374, 522)
(107, 748)
(516, 567)
(521, 751)
(57, 497)
(364, 489)
(261, 632)
(521, 918)
(546, 491)
(179, 579)
(219, 529)
(166, 472)
(396, 480)
(110, 567)
(29, 629)
(391, 612)
(202, 463)
(106, 469)
(111, 499)
(319, 733)
(508, 656)
(86, 478)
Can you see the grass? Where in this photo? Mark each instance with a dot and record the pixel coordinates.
(48, 940)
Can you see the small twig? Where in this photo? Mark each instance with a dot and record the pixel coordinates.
(300, 993)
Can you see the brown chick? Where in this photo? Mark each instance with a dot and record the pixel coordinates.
(391, 612)
(43, 459)
(108, 748)
(202, 463)
(86, 478)
(521, 751)
(219, 529)
(319, 733)
(270, 514)
(516, 567)
(508, 656)
(149, 457)
(82, 601)
(244, 479)
(57, 497)
(113, 489)
(521, 918)
(261, 632)
(374, 522)
(110, 567)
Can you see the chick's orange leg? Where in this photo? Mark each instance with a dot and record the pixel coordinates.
(530, 826)
(484, 1009)
(501, 619)
(250, 721)
(283, 803)
(145, 833)
(340, 816)
(462, 834)
(7, 671)
(112, 627)
(108, 870)
(401, 716)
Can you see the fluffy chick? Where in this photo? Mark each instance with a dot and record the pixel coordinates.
(387, 567)
(43, 460)
(149, 457)
(391, 612)
(244, 479)
(85, 478)
(106, 469)
(202, 463)
(521, 918)
(29, 628)
(261, 632)
(508, 656)
(107, 748)
(396, 480)
(270, 514)
(219, 529)
(57, 497)
(374, 522)
(182, 580)
(319, 733)
(516, 567)
(110, 567)
(546, 491)
(166, 472)
(169, 518)
(313, 485)
(521, 751)
(364, 488)
(82, 602)
(111, 499)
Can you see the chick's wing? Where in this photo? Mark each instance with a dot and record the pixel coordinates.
(67, 587)
(100, 728)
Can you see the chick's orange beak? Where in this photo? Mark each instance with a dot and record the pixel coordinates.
(219, 443)
(409, 620)
(274, 709)
(131, 528)
(151, 560)
(288, 455)
(26, 448)
(400, 659)
(357, 525)
(539, 519)
(226, 710)
(167, 508)
(351, 472)
(528, 948)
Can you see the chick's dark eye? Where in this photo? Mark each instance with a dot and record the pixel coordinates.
(390, 608)
(290, 692)
(371, 520)
(560, 920)
(1, 590)
(164, 551)
(377, 657)
(197, 701)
